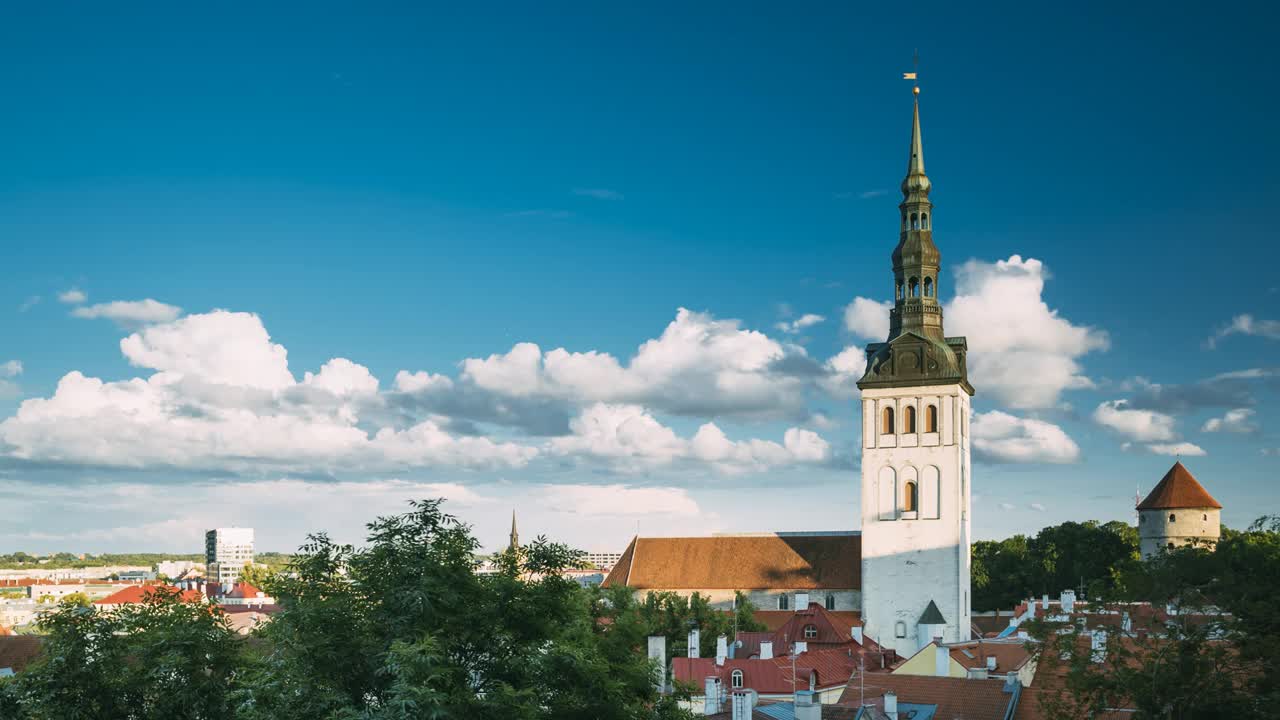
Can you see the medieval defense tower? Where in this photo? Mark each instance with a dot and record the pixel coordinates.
(915, 440)
(1179, 511)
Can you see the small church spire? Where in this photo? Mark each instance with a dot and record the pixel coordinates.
(515, 536)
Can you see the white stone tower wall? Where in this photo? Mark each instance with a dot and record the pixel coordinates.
(1156, 530)
(909, 560)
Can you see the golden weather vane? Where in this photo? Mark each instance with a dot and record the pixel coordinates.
(914, 75)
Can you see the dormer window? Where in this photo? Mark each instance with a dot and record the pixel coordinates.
(735, 679)
(810, 632)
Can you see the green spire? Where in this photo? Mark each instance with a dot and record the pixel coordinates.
(916, 259)
(917, 352)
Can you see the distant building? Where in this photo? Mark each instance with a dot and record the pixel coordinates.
(776, 571)
(174, 569)
(973, 659)
(1179, 511)
(226, 552)
(603, 560)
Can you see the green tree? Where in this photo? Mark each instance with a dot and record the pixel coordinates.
(405, 628)
(259, 576)
(1219, 657)
(162, 658)
(76, 598)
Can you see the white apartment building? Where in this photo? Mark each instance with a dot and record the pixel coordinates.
(226, 552)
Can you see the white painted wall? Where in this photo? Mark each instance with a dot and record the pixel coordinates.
(1156, 530)
(909, 559)
(768, 599)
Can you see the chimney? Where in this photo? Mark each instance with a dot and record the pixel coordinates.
(802, 602)
(695, 642)
(1068, 600)
(857, 634)
(941, 659)
(991, 663)
(1044, 600)
(711, 696)
(891, 705)
(766, 650)
(1098, 646)
(741, 705)
(808, 706)
(1010, 681)
(978, 673)
(722, 649)
(1126, 622)
(658, 652)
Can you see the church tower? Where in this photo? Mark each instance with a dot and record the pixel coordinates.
(915, 446)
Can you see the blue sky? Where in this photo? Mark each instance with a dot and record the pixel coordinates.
(407, 187)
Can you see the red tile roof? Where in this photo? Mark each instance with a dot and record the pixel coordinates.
(1009, 655)
(244, 591)
(832, 667)
(138, 593)
(790, 562)
(17, 651)
(1178, 489)
(955, 697)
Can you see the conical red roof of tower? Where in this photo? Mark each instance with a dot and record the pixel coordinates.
(1178, 489)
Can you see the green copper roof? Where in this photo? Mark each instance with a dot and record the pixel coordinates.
(932, 615)
(917, 352)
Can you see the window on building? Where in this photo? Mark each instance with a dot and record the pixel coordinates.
(931, 419)
(1171, 517)
(900, 629)
(909, 419)
(924, 221)
(928, 287)
(1170, 546)
(782, 602)
(910, 498)
(1206, 516)
(913, 285)
(886, 425)
(810, 632)
(900, 286)
(831, 602)
(915, 221)
(735, 679)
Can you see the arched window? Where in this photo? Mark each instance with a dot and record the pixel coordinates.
(928, 287)
(914, 286)
(899, 289)
(900, 629)
(909, 420)
(910, 498)
(915, 221)
(1170, 546)
(1171, 517)
(782, 602)
(810, 632)
(1206, 516)
(931, 419)
(735, 679)
(886, 427)
(831, 602)
(924, 221)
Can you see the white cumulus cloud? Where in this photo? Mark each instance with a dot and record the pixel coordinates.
(1020, 349)
(1239, 420)
(794, 327)
(1140, 425)
(699, 366)
(130, 313)
(72, 296)
(867, 318)
(633, 440)
(1001, 437)
(1182, 448)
